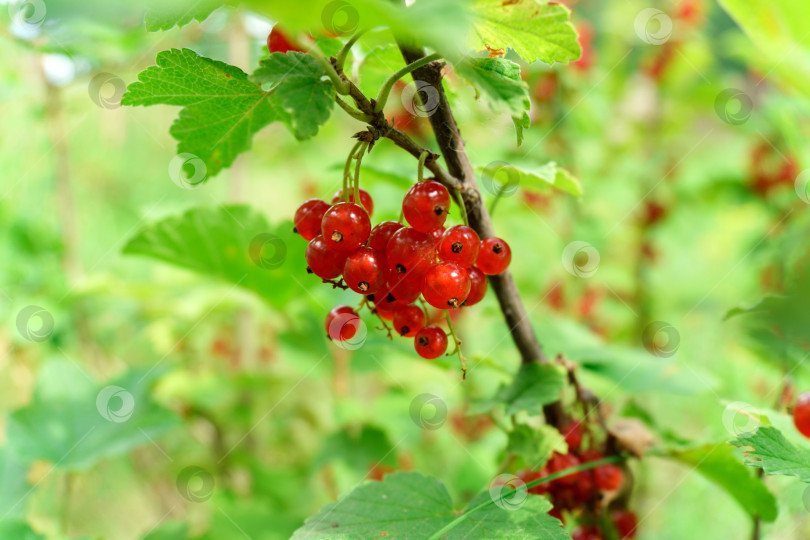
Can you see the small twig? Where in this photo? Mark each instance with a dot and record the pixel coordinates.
(344, 52)
(351, 111)
(420, 170)
(341, 85)
(382, 97)
(359, 158)
(385, 325)
(339, 284)
(347, 168)
(458, 346)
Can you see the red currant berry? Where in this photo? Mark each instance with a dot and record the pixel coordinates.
(494, 256)
(409, 250)
(278, 42)
(382, 233)
(446, 285)
(572, 431)
(430, 342)
(406, 288)
(384, 304)
(625, 522)
(478, 286)
(459, 244)
(364, 271)
(801, 414)
(342, 323)
(586, 532)
(425, 205)
(436, 235)
(608, 477)
(365, 199)
(345, 227)
(531, 476)
(308, 218)
(322, 261)
(408, 320)
(557, 463)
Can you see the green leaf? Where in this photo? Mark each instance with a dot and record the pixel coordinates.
(499, 80)
(74, 423)
(231, 243)
(14, 488)
(377, 66)
(359, 448)
(539, 178)
(534, 385)
(166, 15)
(18, 530)
(411, 505)
(719, 464)
(535, 30)
(535, 445)
(521, 123)
(222, 109)
(301, 87)
(169, 531)
(771, 451)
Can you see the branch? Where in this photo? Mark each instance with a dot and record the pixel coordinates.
(451, 145)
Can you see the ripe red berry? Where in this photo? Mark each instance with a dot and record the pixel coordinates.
(572, 431)
(277, 41)
(586, 532)
(341, 323)
(584, 488)
(531, 476)
(365, 199)
(494, 256)
(345, 227)
(436, 235)
(459, 244)
(801, 414)
(407, 287)
(557, 463)
(308, 218)
(322, 261)
(363, 271)
(478, 286)
(430, 342)
(425, 205)
(446, 285)
(625, 522)
(608, 477)
(408, 320)
(382, 233)
(409, 250)
(384, 304)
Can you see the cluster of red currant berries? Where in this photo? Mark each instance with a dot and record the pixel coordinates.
(582, 490)
(393, 265)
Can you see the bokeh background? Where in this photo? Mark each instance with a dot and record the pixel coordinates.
(141, 399)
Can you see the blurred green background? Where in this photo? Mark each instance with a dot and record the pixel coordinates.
(162, 402)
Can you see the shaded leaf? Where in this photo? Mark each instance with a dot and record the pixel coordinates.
(166, 15)
(539, 178)
(534, 385)
(768, 449)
